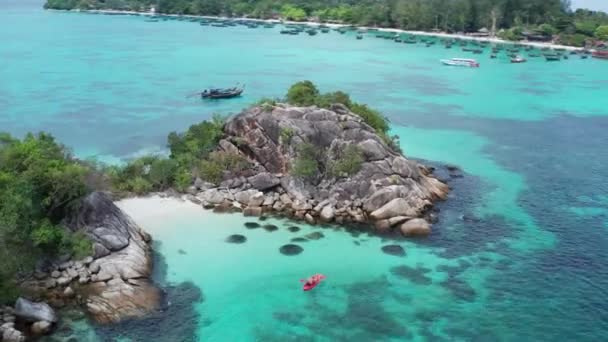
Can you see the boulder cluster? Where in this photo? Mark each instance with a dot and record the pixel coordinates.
(37, 318)
(388, 190)
(114, 284)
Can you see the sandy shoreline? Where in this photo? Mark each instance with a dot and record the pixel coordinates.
(155, 207)
(393, 30)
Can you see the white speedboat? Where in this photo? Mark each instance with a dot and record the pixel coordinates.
(463, 62)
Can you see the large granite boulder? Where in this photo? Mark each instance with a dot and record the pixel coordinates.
(121, 288)
(34, 312)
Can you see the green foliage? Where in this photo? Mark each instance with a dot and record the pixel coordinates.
(286, 135)
(200, 139)
(327, 99)
(291, 12)
(78, 245)
(303, 93)
(143, 175)
(371, 117)
(513, 34)
(267, 104)
(307, 163)
(601, 32)
(183, 179)
(547, 30)
(348, 163)
(40, 184)
(212, 168)
(576, 39)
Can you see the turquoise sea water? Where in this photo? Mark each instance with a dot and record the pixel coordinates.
(519, 252)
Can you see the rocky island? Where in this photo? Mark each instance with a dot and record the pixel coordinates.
(379, 185)
(321, 158)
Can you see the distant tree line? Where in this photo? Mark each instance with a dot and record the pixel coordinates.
(514, 17)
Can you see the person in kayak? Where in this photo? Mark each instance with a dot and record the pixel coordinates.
(311, 282)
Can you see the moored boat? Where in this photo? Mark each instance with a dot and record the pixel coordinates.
(463, 62)
(518, 59)
(215, 93)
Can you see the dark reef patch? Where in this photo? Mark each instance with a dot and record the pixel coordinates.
(236, 238)
(460, 288)
(299, 239)
(270, 227)
(294, 229)
(415, 275)
(291, 249)
(395, 250)
(252, 225)
(315, 236)
(181, 252)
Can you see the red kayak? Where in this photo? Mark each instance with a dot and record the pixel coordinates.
(312, 282)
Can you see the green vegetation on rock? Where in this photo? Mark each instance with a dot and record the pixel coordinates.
(305, 93)
(348, 163)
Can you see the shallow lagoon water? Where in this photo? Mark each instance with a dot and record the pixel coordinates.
(520, 249)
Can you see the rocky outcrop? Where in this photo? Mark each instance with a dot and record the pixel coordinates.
(118, 285)
(387, 191)
(114, 284)
(8, 332)
(34, 312)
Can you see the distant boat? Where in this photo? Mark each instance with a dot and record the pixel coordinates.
(215, 93)
(462, 62)
(518, 59)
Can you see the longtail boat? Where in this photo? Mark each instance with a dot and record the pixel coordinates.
(215, 93)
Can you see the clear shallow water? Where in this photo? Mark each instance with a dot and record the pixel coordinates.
(527, 261)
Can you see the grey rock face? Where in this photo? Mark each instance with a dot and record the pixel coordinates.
(34, 312)
(122, 251)
(264, 181)
(388, 187)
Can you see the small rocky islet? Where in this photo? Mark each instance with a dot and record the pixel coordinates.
(388, 191)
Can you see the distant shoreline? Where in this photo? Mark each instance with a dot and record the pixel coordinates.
(394, 30)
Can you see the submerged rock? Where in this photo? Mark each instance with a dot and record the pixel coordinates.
(416, 227)
(395, 250)
(315, 236)
(415, 275)
(299, 239)
(236, 238)
(270, 227)
(294, 229)
(252, 225)
(291, 249)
